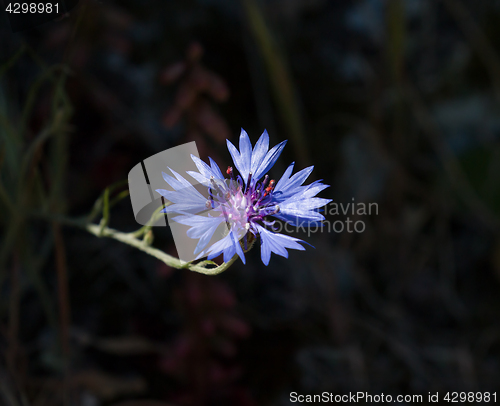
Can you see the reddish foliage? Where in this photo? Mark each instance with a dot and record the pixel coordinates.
(197, 88)
(203, 357)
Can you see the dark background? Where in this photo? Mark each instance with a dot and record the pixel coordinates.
(395, 102)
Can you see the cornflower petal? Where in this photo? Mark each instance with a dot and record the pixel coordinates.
(259, 151)
(199, 178)
(245, 152)
(229, 246)
(284, 178)
(269, 160)
(292, 186)
(204, 169)
(202, 227)
(245, 206)
(277, 243)
(237, 159)
(215, 169)
(184, 196)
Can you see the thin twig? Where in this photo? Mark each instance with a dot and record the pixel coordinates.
(14, 317)
(477, 39)
(450, 163)
(130, 239)
(63, 296)
(280, 78)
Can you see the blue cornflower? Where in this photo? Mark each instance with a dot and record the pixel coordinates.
(242, 204)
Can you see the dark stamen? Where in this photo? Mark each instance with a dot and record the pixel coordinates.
(215, 186)
(262, 212)
(264, 181)
(248, 181)
(211, 198)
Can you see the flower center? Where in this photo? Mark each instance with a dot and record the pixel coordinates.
(240, 204)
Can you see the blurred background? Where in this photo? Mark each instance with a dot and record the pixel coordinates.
(395, 102)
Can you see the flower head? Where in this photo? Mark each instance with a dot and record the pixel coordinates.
(236, 207)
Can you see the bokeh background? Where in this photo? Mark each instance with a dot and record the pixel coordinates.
(395, 102)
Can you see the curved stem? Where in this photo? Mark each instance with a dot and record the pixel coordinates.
(154, 218)
(130, 239)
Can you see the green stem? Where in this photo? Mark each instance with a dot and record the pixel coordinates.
(154, 218)
(130, 239)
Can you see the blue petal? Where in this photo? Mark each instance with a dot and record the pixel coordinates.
(305, 192)
(239, 251)
(259, 151)
(174, 183)
(218, 248)
(184, 194)
(229, 246)
(304, 205)
(277, 243)
(237, 159)
(269, 160)
(170, 195)
(197, 222)
(199, 178)
(207, 174)
(292, 187)
(245, 152)
(184, 185)
(284, 178)
(202, 227)
(299, 178)
(215, 169)
(184, 207)
(204, 169)
(300, 218)
(301, 208)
